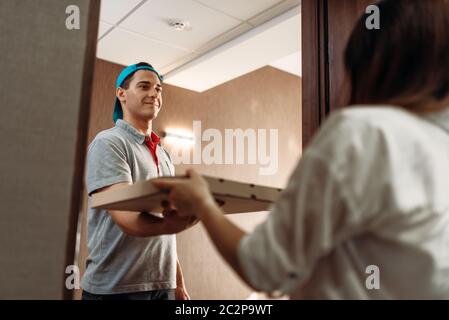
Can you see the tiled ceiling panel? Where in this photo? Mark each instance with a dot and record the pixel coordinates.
(113, 10)
(243, 10)
(138, 30)
(275, 11)
(255, 49)
(103, 27)
(152, 20)
(124, 47)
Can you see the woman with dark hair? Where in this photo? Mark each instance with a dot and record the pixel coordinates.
(365, 214)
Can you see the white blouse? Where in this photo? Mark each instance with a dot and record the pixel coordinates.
(365, 214)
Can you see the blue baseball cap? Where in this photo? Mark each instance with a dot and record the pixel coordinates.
(118, 112)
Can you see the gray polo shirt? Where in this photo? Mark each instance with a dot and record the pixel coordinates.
(119, 263)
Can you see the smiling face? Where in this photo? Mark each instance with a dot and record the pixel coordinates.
(142, 100)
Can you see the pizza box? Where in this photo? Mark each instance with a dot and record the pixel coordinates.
(231, 196)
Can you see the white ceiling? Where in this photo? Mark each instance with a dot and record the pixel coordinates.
(291, 64)
(228, 38)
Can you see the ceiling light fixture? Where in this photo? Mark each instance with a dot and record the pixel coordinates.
(179, 136)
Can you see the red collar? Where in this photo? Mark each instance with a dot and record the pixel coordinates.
(153, 141)
(152, 145)
(155, 138)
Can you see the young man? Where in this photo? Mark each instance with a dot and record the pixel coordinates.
(132, 255)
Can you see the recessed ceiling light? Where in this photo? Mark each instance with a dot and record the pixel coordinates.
(180, 25)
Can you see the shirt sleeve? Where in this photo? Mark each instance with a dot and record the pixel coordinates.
(314, 213)
(106, 165)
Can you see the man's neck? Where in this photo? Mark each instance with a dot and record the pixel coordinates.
(143, 126)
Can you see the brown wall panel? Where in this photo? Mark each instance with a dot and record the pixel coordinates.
(265, 99)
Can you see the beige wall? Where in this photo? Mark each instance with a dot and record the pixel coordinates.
(264, 99)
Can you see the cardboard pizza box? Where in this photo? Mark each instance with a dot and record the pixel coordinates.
(231, 196)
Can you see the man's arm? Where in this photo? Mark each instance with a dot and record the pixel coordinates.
(139, 224)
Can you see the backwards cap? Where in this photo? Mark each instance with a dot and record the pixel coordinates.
(118, 112)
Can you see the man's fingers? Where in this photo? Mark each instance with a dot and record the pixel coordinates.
(165, 204)
(171, 213)
(193, 220)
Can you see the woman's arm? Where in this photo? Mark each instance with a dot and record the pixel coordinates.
(192, 197)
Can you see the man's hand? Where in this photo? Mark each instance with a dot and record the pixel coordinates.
(176, 223)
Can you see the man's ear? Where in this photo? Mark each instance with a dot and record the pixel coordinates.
(121, 95)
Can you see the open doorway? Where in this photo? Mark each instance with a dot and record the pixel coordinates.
(228, 66)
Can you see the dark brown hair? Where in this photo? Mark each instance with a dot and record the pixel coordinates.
(406, 61)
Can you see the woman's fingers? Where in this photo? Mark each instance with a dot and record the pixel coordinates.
(193, 175)
(184, 193)
(166, 184)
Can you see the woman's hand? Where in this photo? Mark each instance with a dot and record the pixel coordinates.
(181, 293)
(190, 196)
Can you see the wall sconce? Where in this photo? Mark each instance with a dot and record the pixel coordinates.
(179, 137)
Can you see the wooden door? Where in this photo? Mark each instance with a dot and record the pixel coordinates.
(326, 27)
